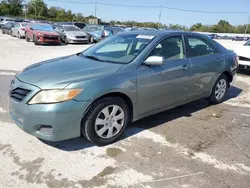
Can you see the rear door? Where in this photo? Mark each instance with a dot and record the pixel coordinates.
(206, 63)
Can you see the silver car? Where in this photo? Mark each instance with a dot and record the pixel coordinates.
(18, 30)
(72, 34)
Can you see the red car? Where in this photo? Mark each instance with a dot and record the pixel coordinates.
(41, 34)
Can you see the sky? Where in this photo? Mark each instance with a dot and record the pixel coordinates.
(168, 16)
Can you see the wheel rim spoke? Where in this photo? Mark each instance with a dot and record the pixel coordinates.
(117, 126)
(114, 110)
(110, 132)
(100, 121)
(102, 130)
(120, 116)
(105, 111)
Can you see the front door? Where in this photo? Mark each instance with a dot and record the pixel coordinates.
(166, 85)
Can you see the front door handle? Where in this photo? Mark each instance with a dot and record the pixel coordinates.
(185, 67)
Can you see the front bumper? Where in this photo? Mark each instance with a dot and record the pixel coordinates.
(244, 64)
(78, 40)
(42, 40)
(60, 121)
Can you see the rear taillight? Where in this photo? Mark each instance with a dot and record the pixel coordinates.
(23, 29)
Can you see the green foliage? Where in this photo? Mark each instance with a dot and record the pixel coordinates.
(37, 9)
(11, 7)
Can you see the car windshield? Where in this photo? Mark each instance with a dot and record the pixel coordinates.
(247, 43)
(42, 27)
(119, 48)
(71, 28)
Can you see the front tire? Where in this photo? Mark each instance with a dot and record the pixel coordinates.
(35, 40)
(105, 121)
(219, 90)
(91, 40)
(66, 40)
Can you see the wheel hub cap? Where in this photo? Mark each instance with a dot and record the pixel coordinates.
(220, 89)
(109, 121)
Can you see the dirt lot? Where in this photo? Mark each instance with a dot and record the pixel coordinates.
(195, 145)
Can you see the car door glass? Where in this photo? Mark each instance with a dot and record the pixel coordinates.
(199, 47)
(170, 48)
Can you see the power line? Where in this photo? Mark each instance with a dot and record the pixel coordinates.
(153, 7)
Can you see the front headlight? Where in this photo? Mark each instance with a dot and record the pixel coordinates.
(71, 35)
(54, 96)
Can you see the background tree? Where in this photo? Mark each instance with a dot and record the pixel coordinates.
(11, 7)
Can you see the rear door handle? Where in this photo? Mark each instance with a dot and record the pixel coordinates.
(185, 67)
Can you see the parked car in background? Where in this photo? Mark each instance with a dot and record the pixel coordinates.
(41, 34)
(81, 25)
(128, 76)
(244, 55)
(72, 34)
(6, 28)
(237, 38)
(114, 29)
(19, 30)
(96, 32)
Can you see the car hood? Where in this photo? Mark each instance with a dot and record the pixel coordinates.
(243, 51)
(60, 72)
(52, 33)
(76, 33)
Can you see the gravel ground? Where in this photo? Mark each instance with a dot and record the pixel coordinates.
(195, 145)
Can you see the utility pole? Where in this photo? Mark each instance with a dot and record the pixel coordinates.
(159, 21)
(247, 26)
(95, 8)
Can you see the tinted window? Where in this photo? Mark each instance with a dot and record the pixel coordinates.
(171, 48)
(199, 47)
(71, 28)
(42, 27)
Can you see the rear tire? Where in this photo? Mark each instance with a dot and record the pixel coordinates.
(109, 122)
(27, 38)
(219, 90)
(3, 31)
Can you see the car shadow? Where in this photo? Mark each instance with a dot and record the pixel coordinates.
(146, 123)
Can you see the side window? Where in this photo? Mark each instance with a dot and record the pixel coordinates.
(199, 47)
(171, 48)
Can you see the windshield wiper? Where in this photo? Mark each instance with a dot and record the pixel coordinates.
(93, 57)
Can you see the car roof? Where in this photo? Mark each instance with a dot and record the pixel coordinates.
(161, 32)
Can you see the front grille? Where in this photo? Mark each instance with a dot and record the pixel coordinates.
(46, 129)
(244, 58)
(50, 37)
(80, 37)
(19, 94)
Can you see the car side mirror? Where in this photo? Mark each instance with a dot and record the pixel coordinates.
(155, 60)
(31, 29)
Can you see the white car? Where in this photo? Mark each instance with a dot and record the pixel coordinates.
(19, 30)
(244, 55)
